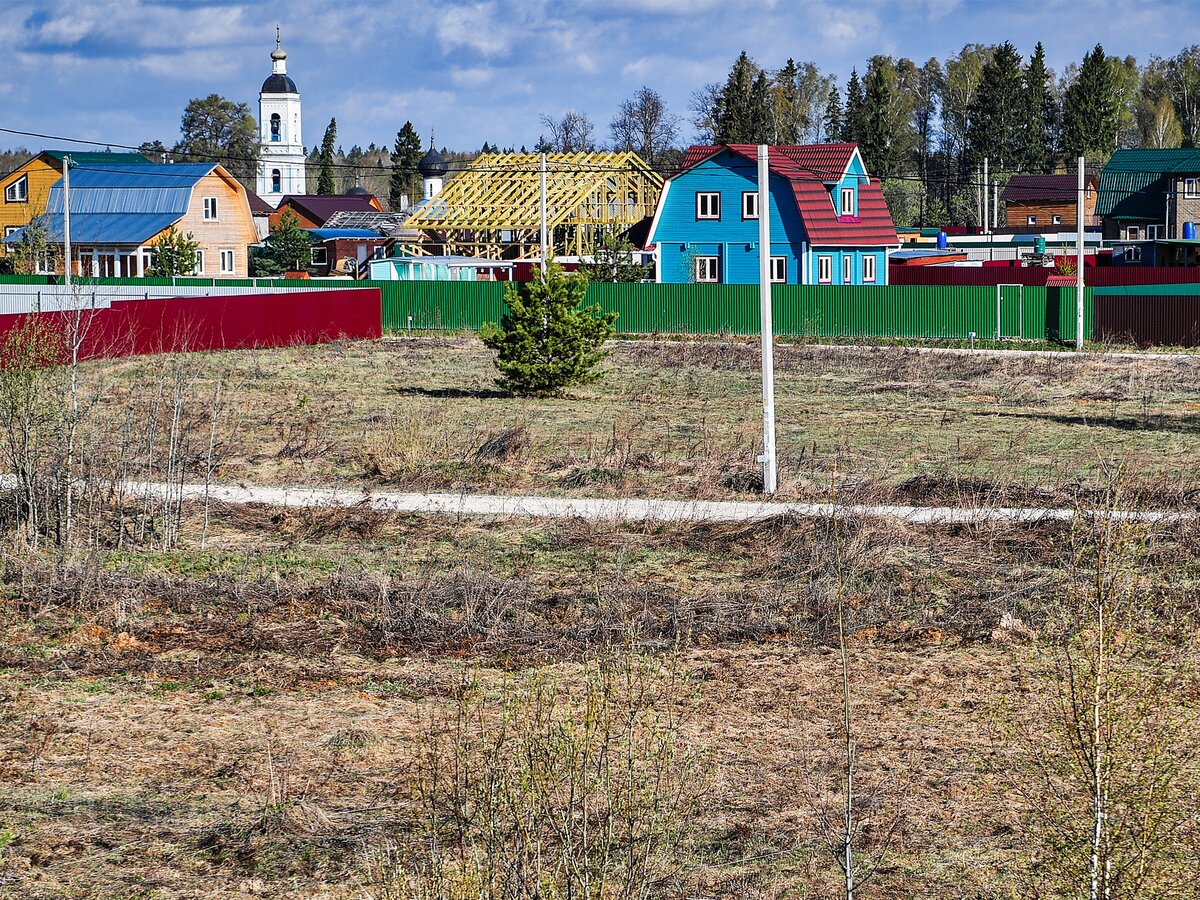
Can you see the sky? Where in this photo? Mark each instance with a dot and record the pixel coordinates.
(121, 71)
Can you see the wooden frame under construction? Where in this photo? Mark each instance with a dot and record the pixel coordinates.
(493, 209)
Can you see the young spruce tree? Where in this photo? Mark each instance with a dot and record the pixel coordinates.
(546, 343)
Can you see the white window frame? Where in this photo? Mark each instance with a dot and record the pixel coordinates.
(707, 269)
(324, 255)
(18, 191)
(749, 204)
(779, 269)
(708, 205)
(210, 209)
(1133, 233)
(1191, 188)
(1156, 232)
(847, 207)
(847, 268)
(45, 262)
(1056, 220)
(1031, 220)
(228, 254)
(199, 270)
(10, 230)
(1133, 254)
(825, 269)
(869, 269)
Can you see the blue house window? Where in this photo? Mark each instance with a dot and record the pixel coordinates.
(847, 269)
(847, 201)
(869, 269)
(750, 204)
(708, 270)
(275, 127)
(825, 270)
(779, 270)
(708, 205)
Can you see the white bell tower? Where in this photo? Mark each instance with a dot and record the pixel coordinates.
(281, 157)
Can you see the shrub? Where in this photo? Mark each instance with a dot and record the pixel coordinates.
(546, 342)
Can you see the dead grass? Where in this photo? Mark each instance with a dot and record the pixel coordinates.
(681, 419)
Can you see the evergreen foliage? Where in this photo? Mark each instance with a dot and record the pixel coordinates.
(546, 343)
(174, 254)
(884, 114)
(854, 121)
(997, 117)
(405, 180)
(218, 130)
(326, 182)
(1090, 113)
(288, 248)
(612, 260)
(833, 121)
(1037, 135)
(742, 112)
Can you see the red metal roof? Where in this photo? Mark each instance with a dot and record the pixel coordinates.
(258, 206)
(808, 167)
(1051, 188)
(319, 207)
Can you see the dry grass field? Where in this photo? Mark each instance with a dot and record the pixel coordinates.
(279, 703)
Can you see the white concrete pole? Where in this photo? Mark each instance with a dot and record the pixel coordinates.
(545, 237)
(1079, 259)
(764, 297)
(986, 220)
(67, 220)
(995, 204)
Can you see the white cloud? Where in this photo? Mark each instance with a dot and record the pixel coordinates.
(475, 27)
(473, 77)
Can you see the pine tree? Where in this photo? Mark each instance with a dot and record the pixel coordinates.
(1089, 125)
(326, 183)
(1037, 134)
(854, 123)
(883, 128)
(743, 107)
(405, 181)
(833, 123)
(996, 120)
(788, 122)
(175, 253)
(546, 342)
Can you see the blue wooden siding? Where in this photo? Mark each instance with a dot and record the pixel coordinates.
(681, 237)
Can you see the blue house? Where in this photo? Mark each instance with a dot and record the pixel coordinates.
(829, 221)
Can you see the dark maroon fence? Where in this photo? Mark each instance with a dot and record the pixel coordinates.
(180, 324)
(1148, 320)
(988, 276)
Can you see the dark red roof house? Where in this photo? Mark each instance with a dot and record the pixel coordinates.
(314, 210)
(829, 221)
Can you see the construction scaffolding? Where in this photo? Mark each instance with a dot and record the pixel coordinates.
(493, 209)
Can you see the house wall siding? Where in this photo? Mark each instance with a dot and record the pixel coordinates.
(42, 175)
(1017, 214)
(233, 230)
(1184, 209)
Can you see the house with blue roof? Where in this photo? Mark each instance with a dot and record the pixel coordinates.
(118, 212)
(829, 221)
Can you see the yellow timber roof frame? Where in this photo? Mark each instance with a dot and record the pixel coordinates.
(586, 193)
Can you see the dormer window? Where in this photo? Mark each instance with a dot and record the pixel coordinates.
(18, 191)
(276, 127)
(847, 201)
(708, 205)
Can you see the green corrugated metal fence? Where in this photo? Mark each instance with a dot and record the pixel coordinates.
(898, 311)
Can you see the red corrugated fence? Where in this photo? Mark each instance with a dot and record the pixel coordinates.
(989, 276)
(177, 324)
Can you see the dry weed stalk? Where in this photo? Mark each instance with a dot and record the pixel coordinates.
(542, 791)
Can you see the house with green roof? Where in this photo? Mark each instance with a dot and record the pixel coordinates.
(27, 188)
(1149, 201)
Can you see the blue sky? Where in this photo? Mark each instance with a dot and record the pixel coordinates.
(121, 71)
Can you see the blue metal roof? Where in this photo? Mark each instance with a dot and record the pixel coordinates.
(126, 204)
(325, 234)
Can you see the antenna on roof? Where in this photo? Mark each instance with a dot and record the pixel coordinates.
(277, 40)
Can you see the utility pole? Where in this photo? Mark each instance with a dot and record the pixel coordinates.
(995, 204)
(764, 302)
(1079, 259)
(545, 240)
(67, 220)
(986, 227)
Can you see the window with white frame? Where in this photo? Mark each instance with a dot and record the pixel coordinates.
(824, 269)
(199, 270)
(1156, 232)
(847, 268)
(18, 191)
(779, 270)
(320, 256)
(1031, 220)
(210, 209)
(226, 262)
(869, 269)
(1056, 220)
(11, 229)
(847, 201)
(708, 205)
(708, 270)
(750, 204)
(1133, 233)
(1133, 254)
(45, 263)
(1191, 188)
